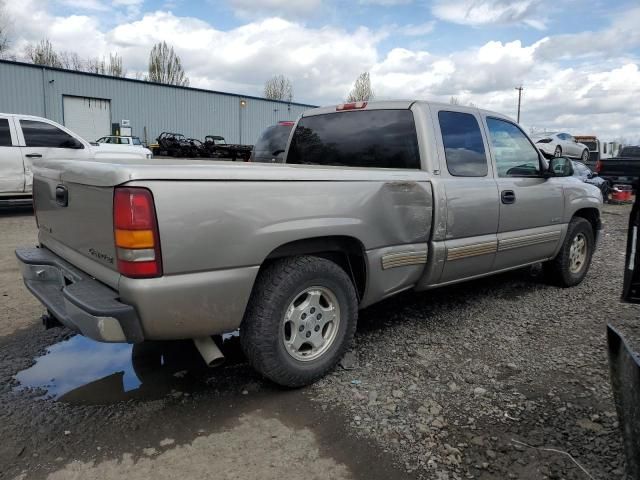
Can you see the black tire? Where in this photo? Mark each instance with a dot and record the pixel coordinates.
(262, 331)
(558, 271)
(585, 156)
(558, 151)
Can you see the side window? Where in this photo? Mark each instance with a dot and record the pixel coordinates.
(463, 145)
(605, 148)
(124, 141)
(136, 141)
(5, 133)
(40, 134)
(365, 138)
(514, 154)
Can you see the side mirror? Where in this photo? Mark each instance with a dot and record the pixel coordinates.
(560, 167)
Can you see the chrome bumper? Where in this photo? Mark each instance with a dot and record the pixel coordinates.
(76, 300)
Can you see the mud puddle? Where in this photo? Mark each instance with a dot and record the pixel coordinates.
(82, 371)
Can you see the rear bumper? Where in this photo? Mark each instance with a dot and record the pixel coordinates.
(77, 300)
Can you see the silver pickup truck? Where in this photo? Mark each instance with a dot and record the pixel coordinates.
(373, 199)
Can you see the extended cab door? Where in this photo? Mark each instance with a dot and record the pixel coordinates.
(40, 138)
(531, 206)
(471, 194)
(11, 166)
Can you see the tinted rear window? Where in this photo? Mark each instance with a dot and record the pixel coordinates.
(630, 152)
(5, 134)
(273, 139)
(463, 145)
(368, 138)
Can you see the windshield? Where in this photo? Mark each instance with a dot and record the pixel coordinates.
(273, 139)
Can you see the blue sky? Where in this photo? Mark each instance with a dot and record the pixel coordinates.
(579, 61)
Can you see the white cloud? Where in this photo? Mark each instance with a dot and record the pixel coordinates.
(412, 30)
(96, 5)
(273, 8)
(385, 3)
(487, 12)
(595, 95)
(621, 36)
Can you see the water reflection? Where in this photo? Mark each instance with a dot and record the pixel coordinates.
(80, 370)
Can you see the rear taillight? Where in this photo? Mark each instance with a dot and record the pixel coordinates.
(136, 235)
(286, 123)
(351, 106)
(598, 166)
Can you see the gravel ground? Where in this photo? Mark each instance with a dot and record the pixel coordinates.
(476, 380)
(470, 381)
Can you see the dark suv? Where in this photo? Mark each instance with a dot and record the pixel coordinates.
(272, 142)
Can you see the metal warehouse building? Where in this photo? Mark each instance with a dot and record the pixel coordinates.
(93, 105)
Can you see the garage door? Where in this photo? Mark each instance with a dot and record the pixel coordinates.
(88, 117)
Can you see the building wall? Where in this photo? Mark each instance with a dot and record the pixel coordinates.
(35, 90)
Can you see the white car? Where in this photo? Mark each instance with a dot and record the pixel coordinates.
(558, 144)
(120, 140)
(24, 138)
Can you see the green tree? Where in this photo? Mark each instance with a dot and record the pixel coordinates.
(362, 90)
(165, 66)
(278, 87)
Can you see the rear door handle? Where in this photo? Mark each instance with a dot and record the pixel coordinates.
(62, 196)
(33, 155)
(508, 196)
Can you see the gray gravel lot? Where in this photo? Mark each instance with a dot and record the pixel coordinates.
(470, 381)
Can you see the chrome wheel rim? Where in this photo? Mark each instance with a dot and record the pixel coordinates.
(578, 253)
(310, 324)
(585, 155)
(557, 153)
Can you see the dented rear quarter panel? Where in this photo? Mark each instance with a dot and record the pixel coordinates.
(210, 225)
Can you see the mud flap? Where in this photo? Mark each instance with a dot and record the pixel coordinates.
(624, 367)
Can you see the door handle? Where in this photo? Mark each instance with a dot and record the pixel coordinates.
(508, 196)
(62, 196)
(33, 155)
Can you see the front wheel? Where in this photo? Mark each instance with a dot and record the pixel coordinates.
(572, 262)
(300, 320)
(585, 156)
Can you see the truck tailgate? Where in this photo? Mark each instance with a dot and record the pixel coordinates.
(75, 221)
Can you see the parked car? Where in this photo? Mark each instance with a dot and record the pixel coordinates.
(584, 173)
(172, 145)
(623, 169)
(24, 138)
(217, 147)
(374, 199)
(272, 143)
(120, 140)
(561, 145)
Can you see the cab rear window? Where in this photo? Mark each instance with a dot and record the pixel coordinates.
(367, 138)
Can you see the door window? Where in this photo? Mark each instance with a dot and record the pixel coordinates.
(514, 154)
(463, 145)
(5, 133)
(40, 134)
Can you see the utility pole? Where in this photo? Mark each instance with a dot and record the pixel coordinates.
(520, 88)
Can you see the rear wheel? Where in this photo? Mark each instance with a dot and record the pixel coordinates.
(572, 262)
(300, 320)
(585, 155)
(558, 151)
